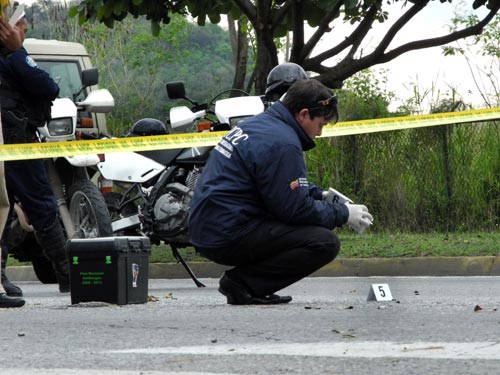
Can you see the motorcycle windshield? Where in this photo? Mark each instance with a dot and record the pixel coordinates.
(194, 155)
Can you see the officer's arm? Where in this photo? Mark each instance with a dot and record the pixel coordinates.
(315, 191)
(9, 38)
(33, 80)
(283, 185)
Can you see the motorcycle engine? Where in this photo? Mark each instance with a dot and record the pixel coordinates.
(171, 210)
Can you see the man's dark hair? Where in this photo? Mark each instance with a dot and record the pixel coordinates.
(313, 95)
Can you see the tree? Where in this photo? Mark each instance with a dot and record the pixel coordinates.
(274, 18)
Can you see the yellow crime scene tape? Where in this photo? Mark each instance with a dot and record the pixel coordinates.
(409, 122)
(172, 141)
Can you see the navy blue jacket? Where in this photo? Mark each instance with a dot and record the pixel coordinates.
(21, 71)
(257, 171)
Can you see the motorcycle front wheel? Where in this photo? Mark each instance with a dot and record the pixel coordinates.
(88, 210)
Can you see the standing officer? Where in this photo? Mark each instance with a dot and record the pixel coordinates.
(10, 40)
(26, 95)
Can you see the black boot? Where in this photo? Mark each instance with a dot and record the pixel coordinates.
(6, 301)
(11, 289)
(53, 243)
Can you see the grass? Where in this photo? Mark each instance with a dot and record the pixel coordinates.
(388, 245)
(385, 245)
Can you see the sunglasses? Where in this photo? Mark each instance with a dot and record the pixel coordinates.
(331, 101)
(327, 108)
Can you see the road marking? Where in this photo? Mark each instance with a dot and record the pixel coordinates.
(363, 349)
(66, 371)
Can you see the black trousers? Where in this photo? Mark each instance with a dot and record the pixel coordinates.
(276, 255)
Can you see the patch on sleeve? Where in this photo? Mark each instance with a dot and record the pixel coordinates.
(30, 61)
(299, 182)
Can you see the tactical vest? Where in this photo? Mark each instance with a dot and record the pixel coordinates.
(21, 113)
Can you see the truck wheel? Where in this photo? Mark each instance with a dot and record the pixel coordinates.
(88, 210)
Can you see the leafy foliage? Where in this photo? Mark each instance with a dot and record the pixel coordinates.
(135, 65)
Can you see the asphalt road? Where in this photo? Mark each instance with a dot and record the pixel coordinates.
(435, 325)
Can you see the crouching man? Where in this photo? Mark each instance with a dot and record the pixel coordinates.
(254, 208)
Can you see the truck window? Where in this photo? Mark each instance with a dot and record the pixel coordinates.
(67, 76)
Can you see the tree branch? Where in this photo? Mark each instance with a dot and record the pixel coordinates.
(281, 13)
(334, 77)
(322, 29)
(298, 31)
(439, 41)
(398, 25)
(357, 35)
(248, 9)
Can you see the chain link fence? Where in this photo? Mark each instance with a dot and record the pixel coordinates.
(441, 178)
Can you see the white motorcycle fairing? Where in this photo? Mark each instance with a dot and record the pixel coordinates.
(233, 110)
(129, 167)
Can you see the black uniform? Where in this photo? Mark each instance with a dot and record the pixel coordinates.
(26, 95)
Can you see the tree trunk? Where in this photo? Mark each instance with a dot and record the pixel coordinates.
(267, 58)
(239, 45)
(267, 54)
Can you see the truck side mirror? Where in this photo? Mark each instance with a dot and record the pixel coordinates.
(90, 77)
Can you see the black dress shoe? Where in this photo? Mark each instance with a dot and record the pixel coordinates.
(6, 301)
(237, 294)
(272, 299)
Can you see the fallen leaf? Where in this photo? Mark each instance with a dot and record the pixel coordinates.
(170, 296)
(153, 299)
(344, 334)
(479, 308)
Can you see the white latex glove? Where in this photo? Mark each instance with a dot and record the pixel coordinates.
(359, 217)
(333, 196)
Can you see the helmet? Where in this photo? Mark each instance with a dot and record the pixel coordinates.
(148, 126)
(281, 77)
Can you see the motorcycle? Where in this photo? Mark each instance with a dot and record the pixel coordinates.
(81, 206)
(153, 189)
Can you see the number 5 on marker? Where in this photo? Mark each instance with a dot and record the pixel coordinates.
(379, 292)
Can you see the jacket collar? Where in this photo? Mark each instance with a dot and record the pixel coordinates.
(281, 112)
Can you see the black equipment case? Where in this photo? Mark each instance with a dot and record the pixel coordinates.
(109, 269)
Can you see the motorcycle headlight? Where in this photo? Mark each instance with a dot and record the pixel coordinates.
(60, 126)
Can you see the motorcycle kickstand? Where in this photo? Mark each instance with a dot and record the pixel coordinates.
(179, 258)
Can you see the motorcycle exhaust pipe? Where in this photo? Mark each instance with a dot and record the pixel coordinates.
(56, 184)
